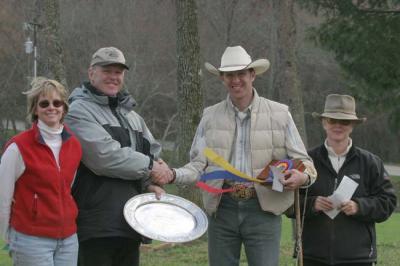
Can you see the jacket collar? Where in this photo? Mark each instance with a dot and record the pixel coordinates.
(90, 93)
(332, 152)
(323, 154)
(65, 134)
(252, 107)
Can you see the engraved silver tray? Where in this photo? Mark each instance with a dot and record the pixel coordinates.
(170, 219)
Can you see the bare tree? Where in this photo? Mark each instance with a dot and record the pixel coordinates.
(286, 76)
(54, 47)
(13, 68)
(188, 73)
(146, 32)
(287, 83)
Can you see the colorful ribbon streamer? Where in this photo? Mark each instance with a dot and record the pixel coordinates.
(213, 190)
(219, 174)
(220, 161)
(231, 173)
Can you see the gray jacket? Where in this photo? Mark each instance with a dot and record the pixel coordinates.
(117, 151)
(89, 116)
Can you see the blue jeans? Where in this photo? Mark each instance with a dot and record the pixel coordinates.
(243, 222)
(27, 250)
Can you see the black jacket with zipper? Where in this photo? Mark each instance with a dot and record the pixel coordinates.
(347, 239)
(117, 150)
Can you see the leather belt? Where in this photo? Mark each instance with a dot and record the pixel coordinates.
(241, 192)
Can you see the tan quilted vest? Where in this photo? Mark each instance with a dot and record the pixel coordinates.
(267, 141)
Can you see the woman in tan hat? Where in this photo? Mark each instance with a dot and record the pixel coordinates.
(349, 237)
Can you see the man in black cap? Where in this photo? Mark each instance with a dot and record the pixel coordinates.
(119, 157)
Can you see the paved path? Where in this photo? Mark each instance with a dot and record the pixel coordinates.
(393, 169)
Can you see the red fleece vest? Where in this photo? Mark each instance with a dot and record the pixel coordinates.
(43, 204)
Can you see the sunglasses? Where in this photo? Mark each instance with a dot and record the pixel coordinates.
(46, 103)
(332, 121)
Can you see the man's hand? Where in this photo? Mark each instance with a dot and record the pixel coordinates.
(161, 174)
(294, 179)
(323, 204)
(349, 207)
(156, 189)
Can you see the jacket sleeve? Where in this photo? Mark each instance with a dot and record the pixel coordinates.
(191, 172)
(381, 201)
(296, 149)
(12, 167)
(101, 153)
(308, 204)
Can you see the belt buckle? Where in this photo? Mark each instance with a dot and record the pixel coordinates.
(242, 192)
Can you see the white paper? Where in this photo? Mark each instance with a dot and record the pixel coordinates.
(276, 181)
(343, 193)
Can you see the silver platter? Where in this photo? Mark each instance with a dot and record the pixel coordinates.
(170, 219)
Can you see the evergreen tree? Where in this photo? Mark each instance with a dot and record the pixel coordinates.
(364, 35)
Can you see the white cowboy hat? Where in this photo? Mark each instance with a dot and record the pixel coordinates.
(341, 107)
(236, 58)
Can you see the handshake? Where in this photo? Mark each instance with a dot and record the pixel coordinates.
(161, 173)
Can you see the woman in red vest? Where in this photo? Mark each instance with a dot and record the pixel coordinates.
(37, 211)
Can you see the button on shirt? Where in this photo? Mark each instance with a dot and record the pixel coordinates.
(241, 154)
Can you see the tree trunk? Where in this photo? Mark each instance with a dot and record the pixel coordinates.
(54, 48)
(189, 91)
(286, 80)
(288, 87)
(270, 91)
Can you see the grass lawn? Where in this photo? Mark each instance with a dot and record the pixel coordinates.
(4, 259)
(195, 252)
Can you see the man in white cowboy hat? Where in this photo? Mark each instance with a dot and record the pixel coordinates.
(248, 131)
(349, 238)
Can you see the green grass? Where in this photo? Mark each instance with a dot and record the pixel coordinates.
(195, 252)
(4, 258)
(389, 231)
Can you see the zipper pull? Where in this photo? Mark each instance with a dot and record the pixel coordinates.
(371, 252)
(35, 200)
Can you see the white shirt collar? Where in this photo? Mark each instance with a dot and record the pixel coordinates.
(49, 130)
(332, 152)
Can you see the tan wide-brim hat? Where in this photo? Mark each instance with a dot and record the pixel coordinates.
(236, 58)
(341, 107)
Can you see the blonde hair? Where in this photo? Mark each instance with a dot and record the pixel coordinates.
(43, 86)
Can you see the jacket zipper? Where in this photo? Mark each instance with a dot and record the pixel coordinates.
(333, 225)
(335, 184)
(35, 200)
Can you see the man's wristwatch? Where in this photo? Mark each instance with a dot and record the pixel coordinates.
(173, 177)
